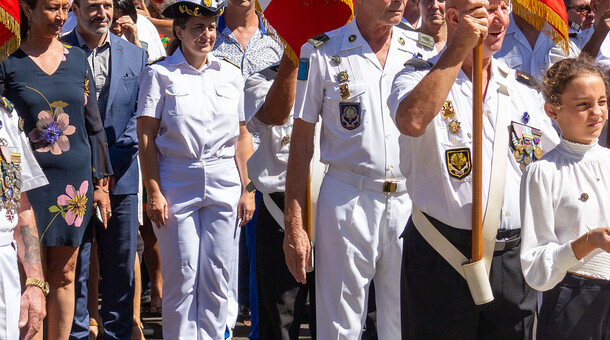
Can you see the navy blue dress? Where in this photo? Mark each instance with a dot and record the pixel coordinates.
(63, 124)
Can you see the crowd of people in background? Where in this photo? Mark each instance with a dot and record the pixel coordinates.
(151, 136)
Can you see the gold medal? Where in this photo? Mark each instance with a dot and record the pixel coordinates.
(448, 111)
(529, 149)
(518, 155)
(344, 91)
(342, 77)
(454, 126)
(522, 166)
(538, 152)
(527, 159)
(335, 60)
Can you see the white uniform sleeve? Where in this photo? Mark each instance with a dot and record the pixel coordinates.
(150, 97)
(311, 86)
(32, 176)
(255, 92)
(404, 82)
(544, 259)
(240, 106)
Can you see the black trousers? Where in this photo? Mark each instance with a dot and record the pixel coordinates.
(436, 302)
(577, 308)
(281, 299)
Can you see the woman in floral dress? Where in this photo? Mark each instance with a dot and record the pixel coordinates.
(49, 85)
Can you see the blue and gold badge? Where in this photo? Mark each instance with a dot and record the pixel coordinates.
(459, 163)
(349, 114)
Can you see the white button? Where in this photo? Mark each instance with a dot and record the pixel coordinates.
(454, 141)
(486, 113)
(507, 213)
(390, 167)
(387, 136)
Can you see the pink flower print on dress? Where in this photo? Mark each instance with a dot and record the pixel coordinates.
(52, 130)
(75, 202)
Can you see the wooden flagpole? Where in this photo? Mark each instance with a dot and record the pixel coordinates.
(477, 152)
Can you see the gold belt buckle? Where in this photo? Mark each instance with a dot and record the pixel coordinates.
(390, 186)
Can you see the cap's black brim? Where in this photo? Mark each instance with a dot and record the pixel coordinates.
(189, 9)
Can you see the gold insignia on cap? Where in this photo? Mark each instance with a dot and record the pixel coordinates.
(185, 9)
(207, 3)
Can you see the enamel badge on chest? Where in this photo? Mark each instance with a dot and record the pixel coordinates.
(350, 115)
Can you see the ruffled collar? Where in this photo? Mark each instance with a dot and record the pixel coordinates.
(577, 148)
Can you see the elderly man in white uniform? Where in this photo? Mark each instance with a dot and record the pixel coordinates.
(344, 79)
(19, 235)
(434, 106)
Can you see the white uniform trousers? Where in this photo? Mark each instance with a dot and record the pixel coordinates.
(196, 246)
(10, 292)
(357, 240)
(233, 311)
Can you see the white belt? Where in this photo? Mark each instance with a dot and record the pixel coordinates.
(6, 238)
(364, 182)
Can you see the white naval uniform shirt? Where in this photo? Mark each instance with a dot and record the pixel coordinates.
(267, 166)
(555, 211)
(430, 186)
(517, 53)
(32, 176)
(371, 148)
(200, 110)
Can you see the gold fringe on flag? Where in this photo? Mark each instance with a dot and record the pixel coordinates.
(12, 25)
(294, 56)
(538, 14)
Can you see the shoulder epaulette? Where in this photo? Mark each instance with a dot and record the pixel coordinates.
(231, 62)
(426, 41)
(527, 79)
(419, 64)
(270, 72)
(6, 104)
(318, 40)
(155, 61)
(405, 26)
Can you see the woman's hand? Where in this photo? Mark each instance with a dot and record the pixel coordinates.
(245, 207)
(101, 199)
(156, 208)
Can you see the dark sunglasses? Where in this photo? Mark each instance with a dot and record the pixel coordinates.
(582, 9)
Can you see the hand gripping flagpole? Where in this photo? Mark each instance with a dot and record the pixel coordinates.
(475, 271)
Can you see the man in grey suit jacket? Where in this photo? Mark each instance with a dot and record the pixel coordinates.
(116, 65)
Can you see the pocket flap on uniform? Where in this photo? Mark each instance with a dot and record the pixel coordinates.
(346, 91)
(174, 90)
(228, 92)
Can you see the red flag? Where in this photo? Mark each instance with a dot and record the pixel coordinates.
(9, 27)
(295, 21)
(548, 16)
